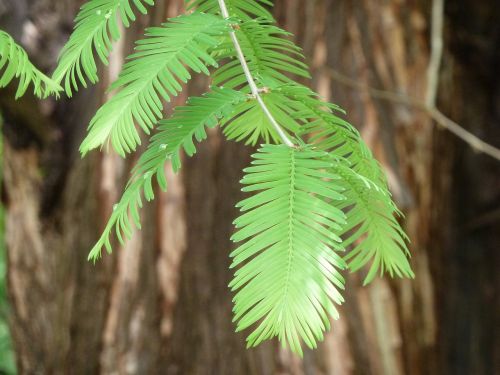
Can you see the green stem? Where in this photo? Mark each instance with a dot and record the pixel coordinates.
(251, 82)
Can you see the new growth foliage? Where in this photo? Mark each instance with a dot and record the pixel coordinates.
(312, 210)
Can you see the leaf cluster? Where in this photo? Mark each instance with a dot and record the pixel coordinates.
(14, 63)
(312, 210)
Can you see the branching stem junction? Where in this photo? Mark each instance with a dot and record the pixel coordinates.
(251, 82)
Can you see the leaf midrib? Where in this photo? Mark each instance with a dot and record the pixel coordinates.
(290, 232)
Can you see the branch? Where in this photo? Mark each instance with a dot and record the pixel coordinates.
(437, 22)
(251, 82)
(476, 143)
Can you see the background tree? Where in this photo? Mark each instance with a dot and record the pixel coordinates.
(160, 304)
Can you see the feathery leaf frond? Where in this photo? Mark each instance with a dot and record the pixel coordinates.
(268, 51)
(175, 134)
(372, 228)
(331, 133)
(251, 125)
(287, 278)
(241, 9)
(153, 73)
(96, 29)
(15, 63)
(310, 201)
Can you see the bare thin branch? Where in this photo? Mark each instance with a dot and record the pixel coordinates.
(441, 120)
(437, 22)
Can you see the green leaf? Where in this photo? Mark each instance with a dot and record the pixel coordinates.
(372, 228)
(175, 134)
(329, 132)
(153, 73)
(268, 51)
(287, 279)
(251, 125)
(96, 29)
(309, 202)
(14, 63)
(242, 9)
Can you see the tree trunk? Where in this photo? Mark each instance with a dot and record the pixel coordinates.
(160, 303)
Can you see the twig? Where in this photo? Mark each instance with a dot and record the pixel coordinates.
(437, 22)
(434, 113)
(251, 82)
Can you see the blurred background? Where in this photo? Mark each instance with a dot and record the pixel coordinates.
(406, 71)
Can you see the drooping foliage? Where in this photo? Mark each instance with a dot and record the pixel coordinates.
(289, 277)
(152, 74)
(240, 9)
(96, 28)
(14, 63)
(174, 135)
(318, 202)
(372, 227)
(269, 54)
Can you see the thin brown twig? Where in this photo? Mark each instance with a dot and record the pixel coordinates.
(436, 57)
(476, 143)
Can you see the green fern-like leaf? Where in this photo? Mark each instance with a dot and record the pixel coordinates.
(96, 29)
(153, 73)
(252, 126)
(241, 9)
(174, 134)
(287, 278)
(321, 124)
(329, 132)
(310, 201)
(14, 63)
(268, 51)
(372, 228)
